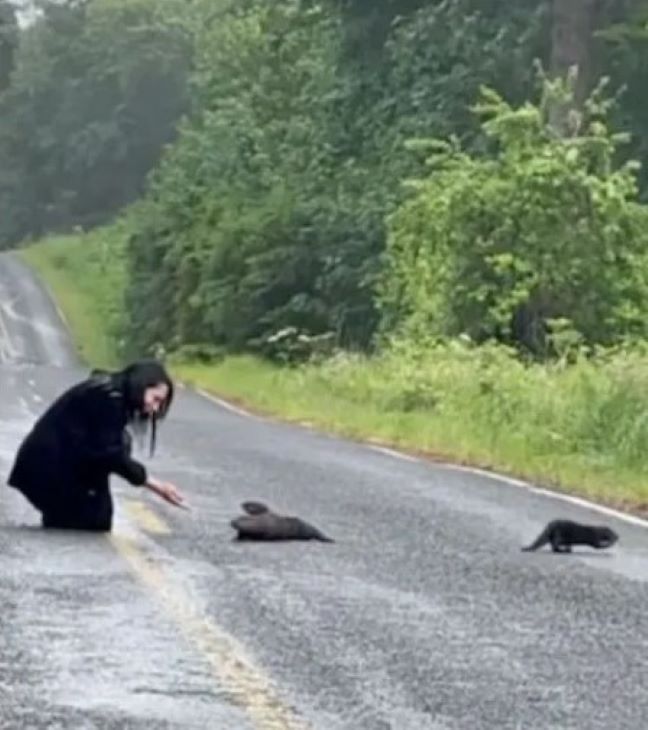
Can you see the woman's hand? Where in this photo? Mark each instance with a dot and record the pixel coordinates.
(167, 491)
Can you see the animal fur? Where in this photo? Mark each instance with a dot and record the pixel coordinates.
(261, 523)
(562, 534)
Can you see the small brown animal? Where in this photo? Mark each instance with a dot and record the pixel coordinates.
(261, 523)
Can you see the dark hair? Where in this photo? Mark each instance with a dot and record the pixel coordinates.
(133, 381)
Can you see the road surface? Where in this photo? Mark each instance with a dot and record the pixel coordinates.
(423, 615)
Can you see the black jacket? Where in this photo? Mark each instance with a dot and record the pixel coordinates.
(77, 443)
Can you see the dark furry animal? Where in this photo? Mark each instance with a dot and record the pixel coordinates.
(562, 534)
(261, 523)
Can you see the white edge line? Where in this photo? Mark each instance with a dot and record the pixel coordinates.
(227, 406)
(62, 316)
(53, 300)
(395, 454)
(494, 476)
(578, 501)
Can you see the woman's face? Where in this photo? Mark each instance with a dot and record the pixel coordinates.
(154, 398)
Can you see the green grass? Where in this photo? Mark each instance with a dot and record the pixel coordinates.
(85, 274)
(581, 428)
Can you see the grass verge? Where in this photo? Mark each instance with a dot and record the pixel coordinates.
(86, 274)
(581, 428)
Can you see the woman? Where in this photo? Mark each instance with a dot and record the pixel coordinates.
(64, 463)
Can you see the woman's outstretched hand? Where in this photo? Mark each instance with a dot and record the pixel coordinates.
(168, 492)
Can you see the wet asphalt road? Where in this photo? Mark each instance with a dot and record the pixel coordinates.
(424, 614)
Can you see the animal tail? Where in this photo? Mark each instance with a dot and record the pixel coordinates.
(542, 539)
(322, 537)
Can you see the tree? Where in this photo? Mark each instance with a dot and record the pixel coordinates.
(574, 23)
(8, 41)
(268, 212)
(96, 93)
(548, 232)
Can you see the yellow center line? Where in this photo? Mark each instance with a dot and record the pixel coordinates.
(146, 518)
(246, 684)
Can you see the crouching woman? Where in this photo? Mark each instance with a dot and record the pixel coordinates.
(63, 465)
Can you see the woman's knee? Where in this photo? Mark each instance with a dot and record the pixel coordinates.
(90, 511)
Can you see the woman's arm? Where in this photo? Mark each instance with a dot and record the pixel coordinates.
(109, 447)
(167, 491)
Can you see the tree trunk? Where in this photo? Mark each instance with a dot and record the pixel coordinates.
(573, 26)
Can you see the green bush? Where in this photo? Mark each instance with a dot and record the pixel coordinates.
(546, 231)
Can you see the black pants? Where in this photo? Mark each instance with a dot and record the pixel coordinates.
(90, 509)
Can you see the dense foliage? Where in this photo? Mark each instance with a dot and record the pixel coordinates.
(269, 213)
(261, 150)
(95, 90)
(544, 232)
